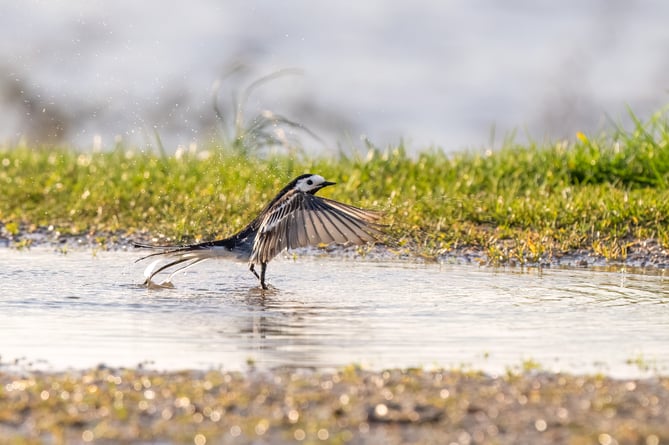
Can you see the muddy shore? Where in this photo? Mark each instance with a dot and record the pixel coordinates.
(647, 253)
(348, 406)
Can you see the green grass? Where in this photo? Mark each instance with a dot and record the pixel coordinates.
(520, 202)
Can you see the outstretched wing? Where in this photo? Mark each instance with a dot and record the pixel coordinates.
(302, 219)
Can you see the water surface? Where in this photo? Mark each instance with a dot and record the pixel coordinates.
(84, 309)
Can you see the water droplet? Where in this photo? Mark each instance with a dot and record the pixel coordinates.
(323, 434)
(381, 410)
(299, 434)
(605, 439)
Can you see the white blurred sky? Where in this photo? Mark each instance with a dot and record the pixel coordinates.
(430, 72)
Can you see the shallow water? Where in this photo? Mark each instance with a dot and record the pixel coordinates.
(83, 309)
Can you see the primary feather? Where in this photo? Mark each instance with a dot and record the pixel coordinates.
(302, 220)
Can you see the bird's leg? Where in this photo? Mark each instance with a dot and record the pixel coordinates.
(263, 268)
(253, 269)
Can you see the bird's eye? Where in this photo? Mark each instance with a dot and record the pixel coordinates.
(310, 182)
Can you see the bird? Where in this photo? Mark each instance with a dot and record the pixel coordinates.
(294, 218)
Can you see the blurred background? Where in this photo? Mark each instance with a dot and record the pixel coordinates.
(451, 74)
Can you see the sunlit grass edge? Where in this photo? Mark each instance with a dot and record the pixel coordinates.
(521, 202)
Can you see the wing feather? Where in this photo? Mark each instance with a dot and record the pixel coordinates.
(301, 223)
(322, 232)
(356, 230)
(361, 223)
(356, 212)
(337, 225)
(302, 219)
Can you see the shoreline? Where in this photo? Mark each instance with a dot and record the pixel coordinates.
(638, 253)
(346, 406)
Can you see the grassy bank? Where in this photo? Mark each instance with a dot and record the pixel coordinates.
(519, 202)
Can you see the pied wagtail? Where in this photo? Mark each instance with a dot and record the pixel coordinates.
(296, 217)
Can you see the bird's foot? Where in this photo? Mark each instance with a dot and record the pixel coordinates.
(150, 284)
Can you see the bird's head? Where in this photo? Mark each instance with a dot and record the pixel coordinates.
(310, 183)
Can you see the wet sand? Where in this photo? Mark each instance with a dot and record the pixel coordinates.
(348, 406)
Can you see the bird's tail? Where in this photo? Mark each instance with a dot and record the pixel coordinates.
(182, 256)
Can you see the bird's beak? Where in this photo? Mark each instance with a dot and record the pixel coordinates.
(327, 183)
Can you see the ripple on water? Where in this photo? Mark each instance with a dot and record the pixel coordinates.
(81, 309)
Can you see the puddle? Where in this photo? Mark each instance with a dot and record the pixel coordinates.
(80, 310)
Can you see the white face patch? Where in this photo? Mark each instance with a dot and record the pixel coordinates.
(311, 183)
